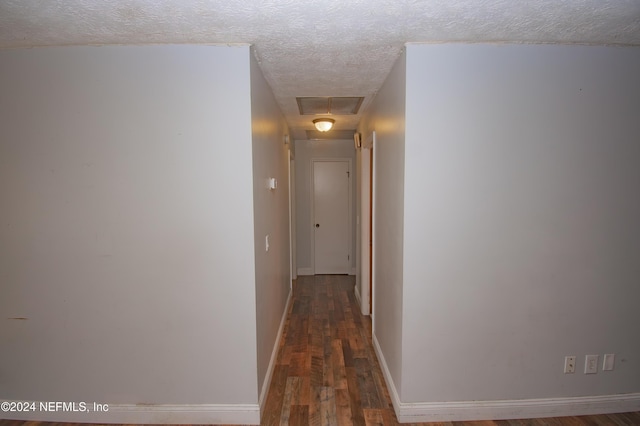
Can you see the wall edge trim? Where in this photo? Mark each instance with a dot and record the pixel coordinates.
(517, 409)
(266, 384)
(305, 271)
(393, 392)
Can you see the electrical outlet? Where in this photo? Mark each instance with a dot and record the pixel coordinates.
(591, 364)
(569, 364)
(609, 360)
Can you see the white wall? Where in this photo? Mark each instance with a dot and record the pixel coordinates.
(521, 240)
(386, 115)
(306, 151)
(127, 234)
(271, 213)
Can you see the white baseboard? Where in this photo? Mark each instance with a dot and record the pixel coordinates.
(393, 392)
(274, 356)
(357, 292)
(505, 409)
(518, 409)
(143, 414)
(305, 271)
(309, 271)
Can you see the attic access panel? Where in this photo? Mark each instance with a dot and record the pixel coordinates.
(340, 105)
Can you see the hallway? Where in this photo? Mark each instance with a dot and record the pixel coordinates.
(327, 372)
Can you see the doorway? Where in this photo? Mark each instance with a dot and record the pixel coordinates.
(331, 225)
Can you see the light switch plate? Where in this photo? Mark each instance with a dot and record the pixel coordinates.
(609, 361)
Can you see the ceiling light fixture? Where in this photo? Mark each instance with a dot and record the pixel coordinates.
(323, 124)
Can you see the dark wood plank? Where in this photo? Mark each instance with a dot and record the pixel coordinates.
(304, 397)
(373, 417)
(347, 353)
(328, 406)
(389, 417)
(275, 397)
(368, 393)
(343, 408)
(315, 416)
(316, 373)
(337, 360)
(299, 415)
(292, 390)
(298, 364)
(354, 396)
(327, 364)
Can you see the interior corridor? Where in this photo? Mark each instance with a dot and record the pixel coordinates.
(327, 372)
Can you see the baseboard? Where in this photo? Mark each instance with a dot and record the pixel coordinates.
(274, 356)
(391, 386)
(305, 271)
(505, 409)
(309, 271)
(517, 409)
(139, 414)
(357, 292)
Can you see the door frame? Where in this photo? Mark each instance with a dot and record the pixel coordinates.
(293, 262)
(367, 221)
(349, 161)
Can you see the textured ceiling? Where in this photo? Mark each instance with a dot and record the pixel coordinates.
(318, 47)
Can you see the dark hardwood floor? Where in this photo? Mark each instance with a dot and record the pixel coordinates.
(327, 373)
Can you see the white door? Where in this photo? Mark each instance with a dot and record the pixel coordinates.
(332, 236)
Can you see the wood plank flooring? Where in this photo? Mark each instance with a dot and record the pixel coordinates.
(327, 374)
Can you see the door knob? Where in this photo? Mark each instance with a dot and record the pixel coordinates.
(317, 225)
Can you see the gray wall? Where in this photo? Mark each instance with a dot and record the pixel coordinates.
(271, 212)
(305, 152)
(126, 234)
(386, 115)
(521, 240)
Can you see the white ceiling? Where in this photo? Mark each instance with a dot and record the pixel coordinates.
(318, 47)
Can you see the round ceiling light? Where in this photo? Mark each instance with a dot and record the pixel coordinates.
(323, 124)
